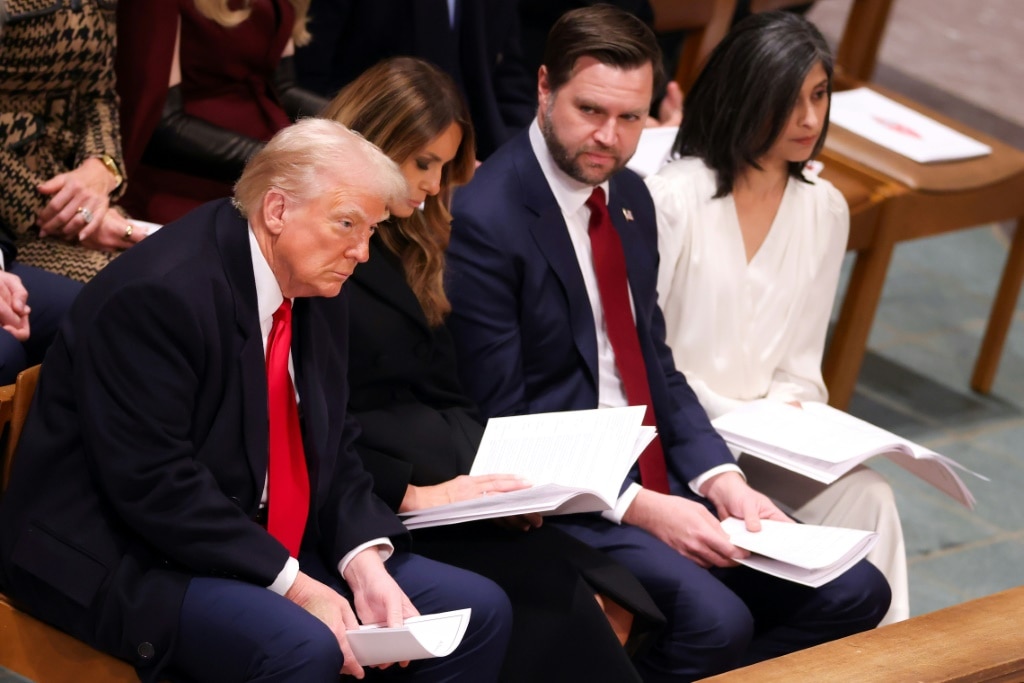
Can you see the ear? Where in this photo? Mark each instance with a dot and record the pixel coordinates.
(543, 87)
(273, 209)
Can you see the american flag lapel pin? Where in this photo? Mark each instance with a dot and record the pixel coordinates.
(627, 213)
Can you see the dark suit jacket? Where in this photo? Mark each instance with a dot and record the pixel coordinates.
(349, 36)
(417, 424)
(522, 322)
(143, 459)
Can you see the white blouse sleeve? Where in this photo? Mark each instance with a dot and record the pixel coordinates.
(673, 225)
(798, 376)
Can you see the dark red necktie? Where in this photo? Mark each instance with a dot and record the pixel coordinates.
(288, 480)
(610, 268)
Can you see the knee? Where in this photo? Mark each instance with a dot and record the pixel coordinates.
(492, 611)
(706, 639)
(725, 636)
(874, 492)
(860, 597)
(309, 653)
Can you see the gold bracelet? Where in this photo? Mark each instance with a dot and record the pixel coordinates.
(111, 166)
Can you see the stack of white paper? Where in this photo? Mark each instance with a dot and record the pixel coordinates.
(422, 637)
(823, 443)
(901, 129)
(576, 461)
(803, 553)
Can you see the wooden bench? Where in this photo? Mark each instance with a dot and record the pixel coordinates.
(41, 653)
(977, 641)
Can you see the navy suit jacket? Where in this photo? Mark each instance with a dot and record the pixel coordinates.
(144, 455)
(521, 318)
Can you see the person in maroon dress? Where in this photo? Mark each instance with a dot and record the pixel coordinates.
(228, 87)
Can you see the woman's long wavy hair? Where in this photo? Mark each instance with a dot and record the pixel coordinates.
(220, 12)
(401, 105)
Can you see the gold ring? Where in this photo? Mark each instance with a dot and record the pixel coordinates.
(128, 230)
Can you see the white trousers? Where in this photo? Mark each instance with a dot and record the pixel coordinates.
(860, 499)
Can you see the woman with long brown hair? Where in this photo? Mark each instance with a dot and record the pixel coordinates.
(419, 431)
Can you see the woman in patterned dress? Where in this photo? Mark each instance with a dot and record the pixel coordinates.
(60, 152)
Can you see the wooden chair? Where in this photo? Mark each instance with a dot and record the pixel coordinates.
(938, 198)
(15, 400)
(28, 646)
(706, 23)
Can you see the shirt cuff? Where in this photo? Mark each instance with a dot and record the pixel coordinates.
(622, 504)
(695, 484)
(286, 578)
(384, 548)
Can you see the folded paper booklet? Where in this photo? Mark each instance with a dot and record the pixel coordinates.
(823, 443)
(807, 554)
(576, 461)
(901, 129)
(422, 637)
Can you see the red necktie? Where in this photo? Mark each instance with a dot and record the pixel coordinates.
(288, 480)
(610, 268)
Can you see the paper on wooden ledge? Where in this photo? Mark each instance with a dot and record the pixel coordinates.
(421, 637)
(901, 129)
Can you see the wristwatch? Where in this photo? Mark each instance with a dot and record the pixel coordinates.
(111, 165)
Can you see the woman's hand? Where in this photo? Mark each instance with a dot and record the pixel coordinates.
(14, 308)
(79, 200)
(114, 232)
(463, 487)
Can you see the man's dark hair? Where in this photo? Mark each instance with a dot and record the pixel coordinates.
(608, 34)
(743, 97)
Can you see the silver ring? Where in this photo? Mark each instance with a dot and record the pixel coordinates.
(86, 214)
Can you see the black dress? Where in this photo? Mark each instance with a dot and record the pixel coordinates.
(419, 428)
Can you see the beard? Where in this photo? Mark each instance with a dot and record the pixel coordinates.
(569, 160)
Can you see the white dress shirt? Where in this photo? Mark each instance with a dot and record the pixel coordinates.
(268, 300)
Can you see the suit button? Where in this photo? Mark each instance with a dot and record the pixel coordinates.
(146, 650)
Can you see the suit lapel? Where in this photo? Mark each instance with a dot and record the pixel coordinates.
(552, 236)
(233, 243)
(632, 247)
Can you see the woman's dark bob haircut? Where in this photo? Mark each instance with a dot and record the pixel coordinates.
(743, 97)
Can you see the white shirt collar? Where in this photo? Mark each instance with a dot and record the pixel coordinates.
(268, 291)
(570, 193)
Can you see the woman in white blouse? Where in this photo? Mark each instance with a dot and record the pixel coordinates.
(751, 243)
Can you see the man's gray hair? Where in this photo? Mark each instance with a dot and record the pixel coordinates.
(302, 158)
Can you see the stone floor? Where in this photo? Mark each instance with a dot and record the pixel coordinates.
(963, 58)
